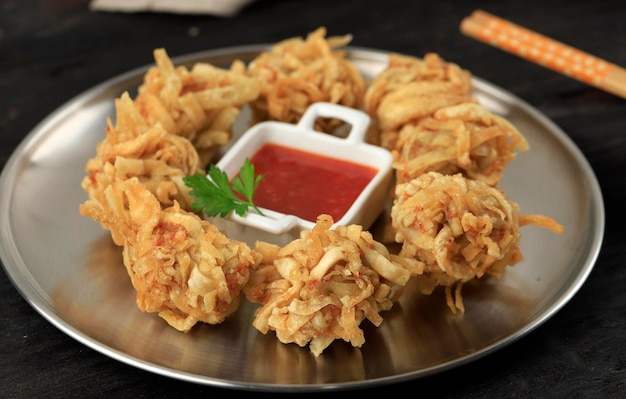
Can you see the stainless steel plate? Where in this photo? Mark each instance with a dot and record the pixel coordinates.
(67, 268)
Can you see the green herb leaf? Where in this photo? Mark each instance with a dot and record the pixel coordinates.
(215, 195)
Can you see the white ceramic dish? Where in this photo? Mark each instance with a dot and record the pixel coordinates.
(282, 228)
(67, 268)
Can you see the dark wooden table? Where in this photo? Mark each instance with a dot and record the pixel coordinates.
(51, 51)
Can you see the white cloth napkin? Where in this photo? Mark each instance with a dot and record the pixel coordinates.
(222, 8)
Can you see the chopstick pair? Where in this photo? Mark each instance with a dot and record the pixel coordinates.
(545, 51)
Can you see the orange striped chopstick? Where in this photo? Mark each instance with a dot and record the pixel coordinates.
(545, 51)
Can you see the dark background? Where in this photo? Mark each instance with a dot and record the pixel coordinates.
(51, 51)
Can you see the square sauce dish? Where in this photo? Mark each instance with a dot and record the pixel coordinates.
(307, 173)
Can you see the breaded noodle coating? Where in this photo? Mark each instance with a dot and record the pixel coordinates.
(320, 287)
(465, 138)
(131, 148)
(200, 104)
(411, 88)
(298, 72)
(461, 229)
(181, 266)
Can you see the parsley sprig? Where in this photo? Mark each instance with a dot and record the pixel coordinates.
(215, 195)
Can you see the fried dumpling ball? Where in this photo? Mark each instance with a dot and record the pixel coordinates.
(465, 138)
(461, 229)
(181, 266)
(132, 148)
(298, 72)
(410, 88)
(200, 104)
(320, 287)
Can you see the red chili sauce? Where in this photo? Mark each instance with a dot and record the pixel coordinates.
(306, 185)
